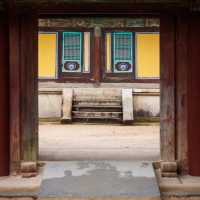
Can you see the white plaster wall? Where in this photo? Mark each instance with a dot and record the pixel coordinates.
(50, 105)
(146, 106)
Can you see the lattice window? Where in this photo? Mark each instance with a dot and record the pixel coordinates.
(76, 52)
(72, 51)
(122, 46)
(119, 52)
(72, 46)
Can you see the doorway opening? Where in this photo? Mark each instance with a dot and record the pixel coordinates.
(125, 53)
(99, 94)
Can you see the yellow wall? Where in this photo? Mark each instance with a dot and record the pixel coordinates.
(47, 55)
(147, 55)
(108, 53)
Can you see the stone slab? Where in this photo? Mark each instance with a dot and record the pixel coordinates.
(179, 187)
(67, 99)
(99, 179)
(49, 106)
(127, 105)
(97, 94)
(51, 85)
(17, 186)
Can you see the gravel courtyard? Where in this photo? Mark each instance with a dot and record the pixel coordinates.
(98, 142)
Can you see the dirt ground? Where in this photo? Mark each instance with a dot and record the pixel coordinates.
(98, 142)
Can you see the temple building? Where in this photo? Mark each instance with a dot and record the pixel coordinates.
(127, 56)
(127, 61)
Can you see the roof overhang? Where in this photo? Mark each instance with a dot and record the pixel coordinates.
(97, 6)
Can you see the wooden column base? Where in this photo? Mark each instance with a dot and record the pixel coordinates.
(29, 169)
(169, 169)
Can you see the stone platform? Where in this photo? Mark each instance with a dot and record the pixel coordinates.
(99, 179)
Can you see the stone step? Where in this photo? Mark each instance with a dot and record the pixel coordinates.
(97, 93)
(98, 109)
(97, 103)
(97, 115)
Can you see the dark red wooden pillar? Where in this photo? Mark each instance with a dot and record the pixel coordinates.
(14, 73)
(194, 96)
(29, 85)
(167, 85)
(182, 70)
(23, 37)
(4, 96)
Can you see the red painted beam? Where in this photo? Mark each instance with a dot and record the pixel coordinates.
(97, 39)
(4, 97)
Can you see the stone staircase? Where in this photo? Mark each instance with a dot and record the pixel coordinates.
(104, 109)
(90, 104)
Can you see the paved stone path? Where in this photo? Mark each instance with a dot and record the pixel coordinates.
(100, 179)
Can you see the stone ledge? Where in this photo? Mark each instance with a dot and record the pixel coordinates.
(180, 187)
(17, 186)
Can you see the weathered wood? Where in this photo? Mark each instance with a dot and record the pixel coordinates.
(67, 98)
(169, 174)
(127, 105)
(28, 167)
(182, 70)
(170, 167)
(29, 87)
(167, 85)
(4, 96)
(14, 72)
(194, 96)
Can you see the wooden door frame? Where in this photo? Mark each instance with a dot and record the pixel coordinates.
(23, 144)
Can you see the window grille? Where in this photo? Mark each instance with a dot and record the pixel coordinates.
(72, 51)
(122, 51)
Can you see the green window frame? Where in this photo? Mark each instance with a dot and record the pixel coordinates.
(122, 49)
(119, 52)
(72, 51)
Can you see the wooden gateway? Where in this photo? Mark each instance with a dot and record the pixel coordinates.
(179, 65)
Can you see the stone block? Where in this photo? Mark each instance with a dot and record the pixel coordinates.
(67, 100)
(127, 105)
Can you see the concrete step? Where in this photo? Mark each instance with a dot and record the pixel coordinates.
(97, 94)
(97, 103)
(92, 109)
(96, 115)
(97, 109)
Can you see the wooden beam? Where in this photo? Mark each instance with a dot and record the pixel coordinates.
(167, 85)
(108, 8)
(182, 70)
(97, 39)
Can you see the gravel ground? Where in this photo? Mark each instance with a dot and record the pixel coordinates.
(98, 142)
